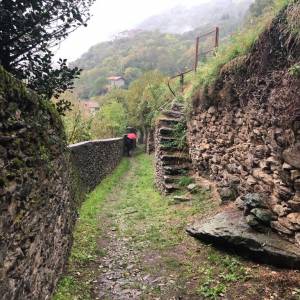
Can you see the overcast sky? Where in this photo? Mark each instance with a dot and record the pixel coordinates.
(113, 16)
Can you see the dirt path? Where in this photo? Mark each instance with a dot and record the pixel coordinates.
(144, 252)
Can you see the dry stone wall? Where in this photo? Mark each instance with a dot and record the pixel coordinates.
(96, 159)
(37, 205)
(244, 132)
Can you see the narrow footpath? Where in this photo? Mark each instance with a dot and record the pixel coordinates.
(141, 250)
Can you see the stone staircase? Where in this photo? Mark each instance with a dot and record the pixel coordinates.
(171, 162)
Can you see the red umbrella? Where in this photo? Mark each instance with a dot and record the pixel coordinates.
(131, 136)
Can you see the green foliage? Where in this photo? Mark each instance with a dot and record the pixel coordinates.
(145, 97)
(184, 181)
(238, 45)
(179, 134)
(28, 31)
(77, 128)
(110, 121)
(228, 270)
(258, 7)
(295, 70)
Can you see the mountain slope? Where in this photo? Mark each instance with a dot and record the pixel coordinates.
(134, 52)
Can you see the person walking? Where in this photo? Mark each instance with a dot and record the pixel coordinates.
(130, 142)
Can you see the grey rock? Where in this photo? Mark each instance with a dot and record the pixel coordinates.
(263, 215)
(255, 223)
(254, 200)
(227, 194)
(230, 229)
(192, 187)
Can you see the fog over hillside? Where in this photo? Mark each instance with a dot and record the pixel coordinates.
(181, 19)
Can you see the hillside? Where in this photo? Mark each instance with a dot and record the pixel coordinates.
(134, 52)
(181, 19)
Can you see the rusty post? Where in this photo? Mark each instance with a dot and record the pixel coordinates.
(197, 53)
(217, 37)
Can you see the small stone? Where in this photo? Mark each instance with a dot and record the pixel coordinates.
(284, 221)
(295, 174)
(251, 180)
(239, 203)
(292, 156)
(254, 223)
(193, 187)
(263, 215)
(294, 218)
(211, 110)
(297, 238)
(254, 200)
(294, 205)
(278, 227)
(227, 194)
(283, 192)
(281, 210)
(286, 167)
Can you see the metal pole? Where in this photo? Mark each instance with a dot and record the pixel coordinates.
(217, 37)
(197, 53)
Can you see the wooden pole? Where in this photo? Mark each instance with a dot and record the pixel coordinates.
(197, 53)
(182, 82)
(217, 37)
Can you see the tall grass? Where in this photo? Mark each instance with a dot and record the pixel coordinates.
(239, 44)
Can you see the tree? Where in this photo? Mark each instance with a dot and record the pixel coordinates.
(110, 121)
(29, 29)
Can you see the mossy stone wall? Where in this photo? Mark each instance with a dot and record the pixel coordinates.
(36, 202)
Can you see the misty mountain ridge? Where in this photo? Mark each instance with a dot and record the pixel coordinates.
(181, 19)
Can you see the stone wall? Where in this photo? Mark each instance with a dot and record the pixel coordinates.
(96, 159)
(244, 132)
(37, 205)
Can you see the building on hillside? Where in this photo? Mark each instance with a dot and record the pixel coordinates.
(116, 81)
(91, 107)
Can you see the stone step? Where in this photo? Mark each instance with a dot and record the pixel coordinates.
(177, 169)
(175, 158)
(169, 188)
(168, 148)
(169, 179)
(173, 114)
(168, 122)
(166, 139)
(166, 131)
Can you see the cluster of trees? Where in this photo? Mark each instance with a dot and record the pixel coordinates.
(136, 106)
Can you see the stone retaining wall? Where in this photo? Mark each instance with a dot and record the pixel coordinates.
(96, 159)
(37, 204)
(244, 133)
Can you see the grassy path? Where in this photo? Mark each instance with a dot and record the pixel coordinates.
(130, 243)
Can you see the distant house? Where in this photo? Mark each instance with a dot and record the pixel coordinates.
(116, 81)
(91, 107)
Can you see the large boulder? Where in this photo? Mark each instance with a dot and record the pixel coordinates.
(229, 230)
